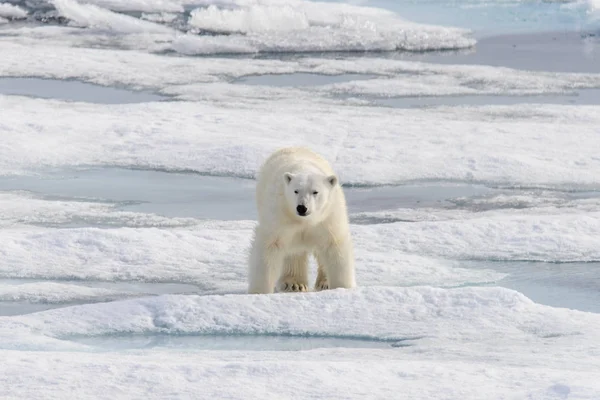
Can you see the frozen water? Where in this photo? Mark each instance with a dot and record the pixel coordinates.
(183, 195)
(572, 285)
(210, 254)
(228, 342)
(124, 227)
(144, 191)
(166, 136)
(300, 79)
(560, 51)
(11, 11)
(444, 328)
(258, 27)
(24, 296)
(73, 91)
(488, 17)
(400, 93)
(449, 220)
(433, 312)
(588, 96)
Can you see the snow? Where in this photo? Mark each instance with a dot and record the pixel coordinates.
(532, 203)
(8, 10)
(320, 374)
(317, 26)
(269, 26)
(494, 17)
(107, 292)
(25, 208)
(177, 75)
(529, 350)
(369, 145)
(478, 315)
(591, 7)
(554, 238)
(91, 16)
(52, 292)
(211, 254)
(169, 6)
(435, 80)
(501, 139)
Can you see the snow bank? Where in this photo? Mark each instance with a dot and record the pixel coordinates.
(56, 293)
(436, 80)
(347, 374)
(8, 10)
(503, 205)
(488, 339)
(463, 315)
(157, 6)
(313, 26)
(261, 26)
(553, 238)
(514, 145)
(24, 208)
(177, 75)
(91, 16)
(212, 255)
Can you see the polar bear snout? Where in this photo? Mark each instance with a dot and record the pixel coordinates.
(302, 210)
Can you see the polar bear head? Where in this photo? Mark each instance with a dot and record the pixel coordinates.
(307, 195)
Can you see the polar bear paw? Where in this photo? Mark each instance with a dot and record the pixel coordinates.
(321, 285)
(290, 285)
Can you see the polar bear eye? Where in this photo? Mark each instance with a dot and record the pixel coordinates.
(315, 193)
(295, 191)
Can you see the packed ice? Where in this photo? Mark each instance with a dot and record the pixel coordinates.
(125, 225)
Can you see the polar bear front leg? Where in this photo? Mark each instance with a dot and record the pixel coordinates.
(295, 274)
(337, 260)
(264, 266)
(321, 283)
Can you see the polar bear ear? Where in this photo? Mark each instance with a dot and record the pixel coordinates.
(287, 177)
(332, 180)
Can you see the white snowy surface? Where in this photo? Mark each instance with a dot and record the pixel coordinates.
(433, 333)
(169, 6)
(317, 26)
(492, 341)
(180, 76)
(24, 208)
(264, 26)
(53, 292)
(212, 254)
(533, 145)
(553, 238)
(91, 16)
(8, 10)
(437, 80)
(591, 7)
(513, 206)
(483, 316)
(325, 374)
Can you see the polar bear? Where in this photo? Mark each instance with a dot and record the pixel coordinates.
(301, 211)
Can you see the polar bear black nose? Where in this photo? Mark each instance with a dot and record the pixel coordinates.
(301, 210)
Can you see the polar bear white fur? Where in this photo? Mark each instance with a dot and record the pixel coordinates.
(301, 211)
